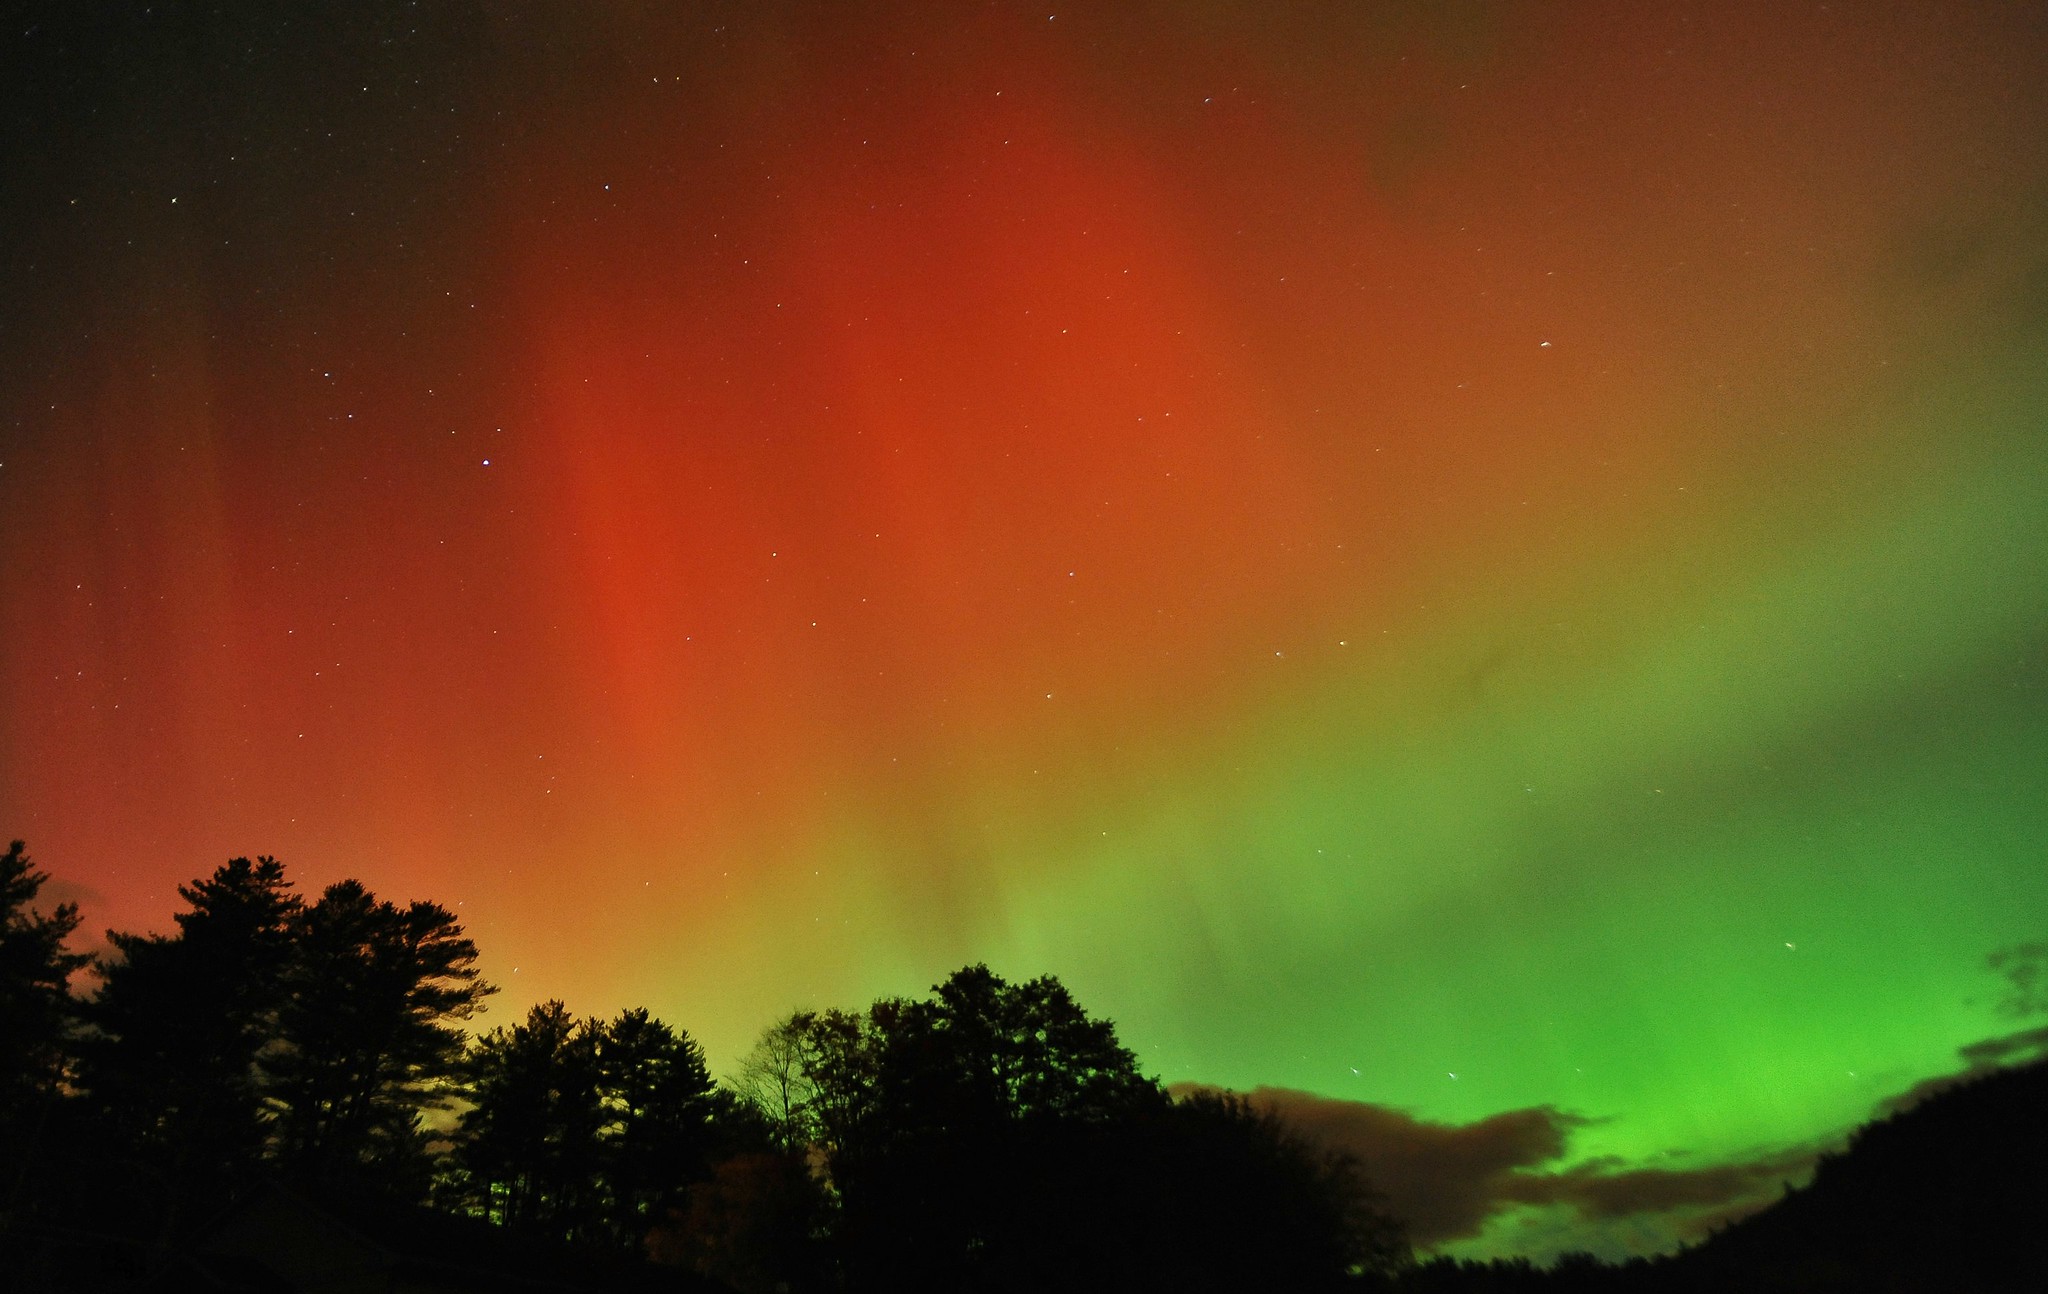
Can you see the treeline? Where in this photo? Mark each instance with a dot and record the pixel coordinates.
(989, 1137)
(992, 1136)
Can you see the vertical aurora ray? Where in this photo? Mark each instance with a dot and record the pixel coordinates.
(1376, 545)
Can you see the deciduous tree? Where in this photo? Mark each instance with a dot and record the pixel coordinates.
(775, 1077)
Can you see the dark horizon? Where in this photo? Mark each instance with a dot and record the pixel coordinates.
(333, 1045)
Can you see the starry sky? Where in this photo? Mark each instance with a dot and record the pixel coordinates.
(1479, 567)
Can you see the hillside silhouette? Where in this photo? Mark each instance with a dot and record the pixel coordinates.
(1949, 1195)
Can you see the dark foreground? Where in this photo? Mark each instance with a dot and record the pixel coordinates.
(1949, 1196)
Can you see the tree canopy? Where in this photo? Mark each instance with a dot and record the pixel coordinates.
(177, 1024)
(994, 1136)
(35, 979)
(589, 1130)
(368, 1032)
(988, 1136)
(35, 1017)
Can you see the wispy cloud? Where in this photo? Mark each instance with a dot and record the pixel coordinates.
(1606, 1190)
(2024, 968)
(58, 890)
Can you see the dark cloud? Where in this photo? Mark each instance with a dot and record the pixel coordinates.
(1979, 1058)
(2024, 967)
(2010, 1049)
(1443, 1180)
(1602, 1190)
(57, 890)
(1446, 1181)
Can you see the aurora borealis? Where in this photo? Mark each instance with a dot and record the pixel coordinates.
(1467, 557)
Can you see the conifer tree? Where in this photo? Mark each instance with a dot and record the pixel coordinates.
(35, 1022)
(35, 978)
(368, 1035)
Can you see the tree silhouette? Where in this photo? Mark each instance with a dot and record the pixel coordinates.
(35, 1016)
(586, 1131)
(368, 1035)
(990, 1137)
(996, 1137)
(841, 1052)
(983, 1050)
(775, 1078)
(928, 1107)
(530, 1141)
(35, 976)
(1237, 1201)
(169, 1059)
(663, 1119)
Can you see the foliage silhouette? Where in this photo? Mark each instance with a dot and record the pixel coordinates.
(530, 1141)
(35, 1017)
(995, 1137)
(35, 977)
(989, 1137)
(666, 1118)
(168, 1063)
(774, 1077)
(267, 1035)
(368, 1035)
(1246, 1203)
(591, 1132)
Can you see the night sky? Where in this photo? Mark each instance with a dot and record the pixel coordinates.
(1485, 559)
